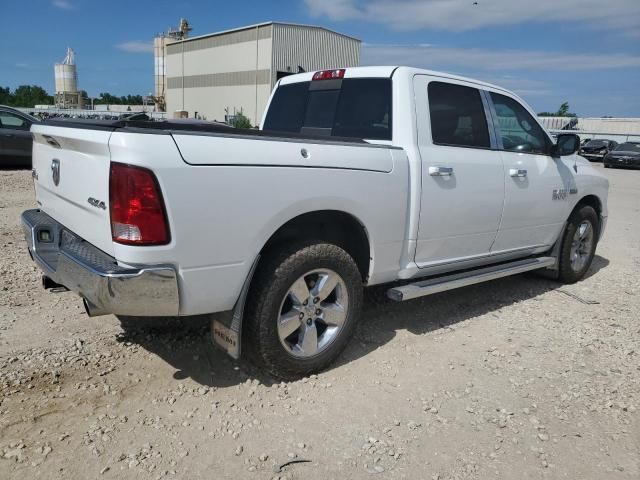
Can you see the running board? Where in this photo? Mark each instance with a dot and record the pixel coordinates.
(457, 280)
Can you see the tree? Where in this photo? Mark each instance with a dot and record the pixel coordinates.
(563, 111)
(241, 121)
(25, 96)
(5, 96)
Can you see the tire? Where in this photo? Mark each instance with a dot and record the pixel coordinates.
(279, 333)
(606, 165)
(578, 244)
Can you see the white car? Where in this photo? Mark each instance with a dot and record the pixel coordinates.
(357, 177)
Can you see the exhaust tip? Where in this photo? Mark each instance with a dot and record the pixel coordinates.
(93, 310)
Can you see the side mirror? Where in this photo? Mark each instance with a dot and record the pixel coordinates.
(566, 144)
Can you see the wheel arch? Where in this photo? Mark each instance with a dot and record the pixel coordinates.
(594, 202)
(334, 226)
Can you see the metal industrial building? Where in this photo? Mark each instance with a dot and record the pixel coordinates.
(218, 75)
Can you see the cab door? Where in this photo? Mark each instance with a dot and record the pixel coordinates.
(537, 185)
(462, 174)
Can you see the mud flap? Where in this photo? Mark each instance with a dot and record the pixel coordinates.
(226, 328)
(553, 272)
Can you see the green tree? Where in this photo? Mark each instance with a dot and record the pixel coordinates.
(563, 111)
(29, 96)
(241, 121)
(5, 96)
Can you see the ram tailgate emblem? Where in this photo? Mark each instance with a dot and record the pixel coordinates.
(55, 171)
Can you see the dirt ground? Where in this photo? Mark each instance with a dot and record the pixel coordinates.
(517, 378)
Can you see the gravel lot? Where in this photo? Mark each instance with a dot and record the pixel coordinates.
(517, 378)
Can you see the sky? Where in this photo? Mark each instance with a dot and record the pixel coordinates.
(586, 52)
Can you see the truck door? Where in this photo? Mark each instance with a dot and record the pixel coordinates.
(462, 174)
(15, 138)
(537, 186)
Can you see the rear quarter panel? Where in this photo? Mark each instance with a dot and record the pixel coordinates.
(223, 212)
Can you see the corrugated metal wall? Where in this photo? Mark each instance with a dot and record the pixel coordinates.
(312, 49)
(236, 70)
(220, 40)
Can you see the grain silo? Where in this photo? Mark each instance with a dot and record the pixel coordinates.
(66, 79)
(159, 58)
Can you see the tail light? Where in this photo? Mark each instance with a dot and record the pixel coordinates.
(137, 210)
(329, 74)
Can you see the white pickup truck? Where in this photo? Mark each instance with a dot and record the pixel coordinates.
(376, 175)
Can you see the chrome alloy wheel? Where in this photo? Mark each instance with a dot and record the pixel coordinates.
(312, 313)
(581, 246)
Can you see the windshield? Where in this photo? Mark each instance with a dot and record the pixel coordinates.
(353, 107)
(597, 143)
(628, 147)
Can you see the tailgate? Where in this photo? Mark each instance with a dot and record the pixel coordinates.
(72, 180)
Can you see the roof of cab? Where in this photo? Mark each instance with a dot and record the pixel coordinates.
(387, 72)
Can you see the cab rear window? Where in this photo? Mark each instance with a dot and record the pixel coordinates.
(352, 108)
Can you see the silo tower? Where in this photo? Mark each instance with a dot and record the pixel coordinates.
(160, 58)
(66, 76)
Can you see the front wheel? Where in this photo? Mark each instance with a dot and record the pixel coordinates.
(578, 244)
(302, 309)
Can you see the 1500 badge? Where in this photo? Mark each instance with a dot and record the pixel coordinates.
(559, 194)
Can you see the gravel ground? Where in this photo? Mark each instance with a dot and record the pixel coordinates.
(517, 378)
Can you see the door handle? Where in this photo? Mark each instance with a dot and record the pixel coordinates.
(440, 171)
(517, 172)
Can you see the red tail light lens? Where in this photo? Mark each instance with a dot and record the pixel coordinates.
(136, 206)
(329, 74)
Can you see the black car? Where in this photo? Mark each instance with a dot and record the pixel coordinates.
(597, 149)
(15, 138)
(626, 154)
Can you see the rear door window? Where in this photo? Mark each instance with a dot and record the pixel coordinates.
(457, 116)
(355, 108)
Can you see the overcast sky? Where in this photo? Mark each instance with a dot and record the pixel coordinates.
(586, 52)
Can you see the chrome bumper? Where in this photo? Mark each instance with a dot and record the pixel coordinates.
(105, 286)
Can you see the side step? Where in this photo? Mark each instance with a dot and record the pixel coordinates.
(457, 280)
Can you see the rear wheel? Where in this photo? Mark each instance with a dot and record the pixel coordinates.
(578, 244)
(302, 309)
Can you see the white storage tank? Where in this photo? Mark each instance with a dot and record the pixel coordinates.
(66, 75)
(66, 79)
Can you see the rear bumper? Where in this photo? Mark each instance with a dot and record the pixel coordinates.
(105, 286)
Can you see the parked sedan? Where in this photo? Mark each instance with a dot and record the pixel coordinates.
(15, 137)
(626, 154)
(595, 150)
